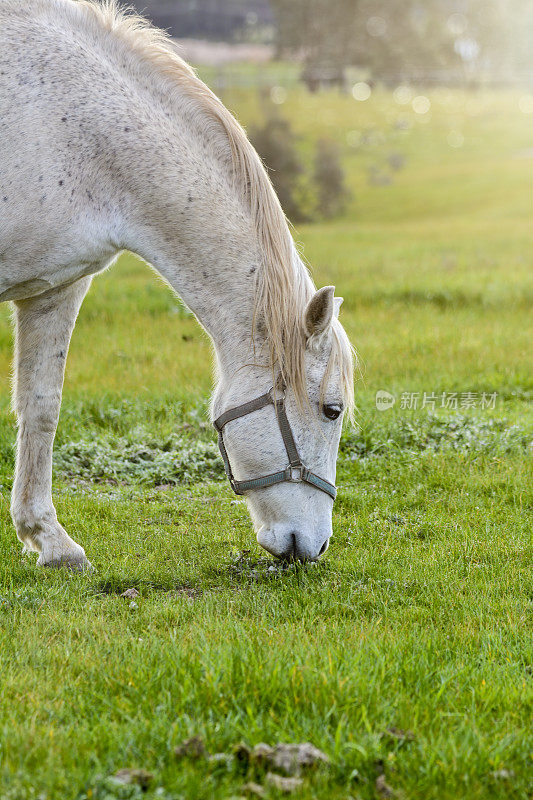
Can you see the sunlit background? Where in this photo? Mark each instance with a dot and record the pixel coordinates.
(435, 41)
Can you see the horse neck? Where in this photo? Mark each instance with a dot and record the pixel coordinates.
(191, 223)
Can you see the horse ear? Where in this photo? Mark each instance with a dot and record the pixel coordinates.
(319, 312)
(337, 303)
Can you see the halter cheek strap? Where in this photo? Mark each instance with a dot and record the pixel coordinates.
(295, 472)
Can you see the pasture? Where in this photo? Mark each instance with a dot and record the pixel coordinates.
(419, 617)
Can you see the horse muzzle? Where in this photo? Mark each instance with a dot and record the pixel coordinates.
(292, 545)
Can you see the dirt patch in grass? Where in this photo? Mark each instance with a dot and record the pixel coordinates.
(290, 762)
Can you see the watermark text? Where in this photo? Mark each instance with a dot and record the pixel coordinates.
(453, 401)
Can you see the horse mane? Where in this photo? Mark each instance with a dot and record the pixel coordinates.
(284, 286)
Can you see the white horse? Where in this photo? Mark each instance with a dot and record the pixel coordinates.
(109, 143)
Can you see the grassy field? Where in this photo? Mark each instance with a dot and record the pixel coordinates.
(418, 619)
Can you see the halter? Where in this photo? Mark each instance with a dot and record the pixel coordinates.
(296, 472)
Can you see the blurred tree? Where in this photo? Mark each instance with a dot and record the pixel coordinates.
(386, 36)
(275, 142)
(321, 31)
(329, 178)
(398, 38)
(409, 39)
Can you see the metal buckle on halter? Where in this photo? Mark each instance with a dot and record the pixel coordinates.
(295, 474)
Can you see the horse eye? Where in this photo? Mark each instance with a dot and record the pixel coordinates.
(332, 412)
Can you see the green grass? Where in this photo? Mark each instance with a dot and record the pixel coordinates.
(420, 615)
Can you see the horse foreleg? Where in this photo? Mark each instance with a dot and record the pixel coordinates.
(44, 325)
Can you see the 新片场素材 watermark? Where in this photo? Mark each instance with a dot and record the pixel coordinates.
(454, 401)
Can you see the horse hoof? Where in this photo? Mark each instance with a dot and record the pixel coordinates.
(73, 563)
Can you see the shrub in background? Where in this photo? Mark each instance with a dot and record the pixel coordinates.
(305, 194)
(329, 179)
(275, 141)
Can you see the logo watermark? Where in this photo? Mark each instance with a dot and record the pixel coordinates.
(454, 401)
(384, 400)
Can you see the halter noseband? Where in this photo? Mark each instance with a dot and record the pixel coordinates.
(296, 472)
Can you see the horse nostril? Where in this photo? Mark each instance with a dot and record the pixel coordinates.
(299, 551)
